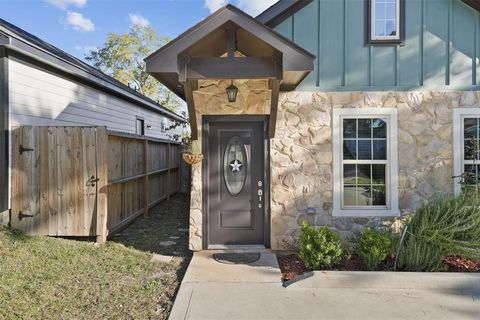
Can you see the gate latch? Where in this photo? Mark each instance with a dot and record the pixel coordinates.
(23, 149)
(91, 182)
(22, 215)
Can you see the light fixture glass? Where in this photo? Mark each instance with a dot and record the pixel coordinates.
(232, 92)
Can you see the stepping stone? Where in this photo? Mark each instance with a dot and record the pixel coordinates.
(183, 230)
(174, 237)
(161, 258)
(167, 243)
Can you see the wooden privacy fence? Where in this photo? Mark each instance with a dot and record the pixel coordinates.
(140, 171)
(85, 181)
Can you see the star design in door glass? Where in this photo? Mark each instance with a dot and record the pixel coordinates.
(236, 166)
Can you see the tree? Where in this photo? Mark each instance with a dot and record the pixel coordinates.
(121, 57)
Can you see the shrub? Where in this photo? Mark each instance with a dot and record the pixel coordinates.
(320, 248)
(445, 227)
(372, 247)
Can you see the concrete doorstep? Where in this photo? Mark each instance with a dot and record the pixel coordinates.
(212, 290)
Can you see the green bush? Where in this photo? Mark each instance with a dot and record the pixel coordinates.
(372, 247)
(445, 227)
(320, 248)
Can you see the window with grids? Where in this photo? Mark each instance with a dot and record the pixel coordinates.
(471, 153)
(385, 21)
(364, 162)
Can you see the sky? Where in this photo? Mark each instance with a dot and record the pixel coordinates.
(78, 26)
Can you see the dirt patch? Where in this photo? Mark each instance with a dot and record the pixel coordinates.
(164, 232)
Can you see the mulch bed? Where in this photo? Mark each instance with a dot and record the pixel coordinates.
(292, 266)
(459, 264)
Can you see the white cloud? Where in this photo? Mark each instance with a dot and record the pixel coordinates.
(214, 5)
(86, 49)
(254, 7)
(138, 20)
(79, 22)
(64, 4)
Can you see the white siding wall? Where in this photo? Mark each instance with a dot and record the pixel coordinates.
(39, 98)
(43, 99)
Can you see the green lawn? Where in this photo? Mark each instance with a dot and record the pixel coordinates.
(51, 278)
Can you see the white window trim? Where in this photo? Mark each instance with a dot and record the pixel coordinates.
(392, 208)
(142, 120)
(458, 150)
(373, 25)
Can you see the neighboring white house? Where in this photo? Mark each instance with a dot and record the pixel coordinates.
(41, 85)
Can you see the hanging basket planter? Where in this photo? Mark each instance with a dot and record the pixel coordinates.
(192, 159)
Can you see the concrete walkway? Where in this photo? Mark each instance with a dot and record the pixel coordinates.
(211, 290)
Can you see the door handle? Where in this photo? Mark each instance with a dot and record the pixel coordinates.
(92, 181)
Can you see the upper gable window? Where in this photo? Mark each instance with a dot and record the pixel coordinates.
(385, 20)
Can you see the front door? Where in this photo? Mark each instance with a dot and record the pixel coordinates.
(235, 183)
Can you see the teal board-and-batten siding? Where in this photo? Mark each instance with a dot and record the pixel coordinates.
(441, 51)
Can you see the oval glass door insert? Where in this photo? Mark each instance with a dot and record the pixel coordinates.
(235, 165)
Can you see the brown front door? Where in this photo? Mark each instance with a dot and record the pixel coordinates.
(235, 183)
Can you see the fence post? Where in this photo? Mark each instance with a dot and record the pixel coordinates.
(169, 172)
(102, 184)
(179, 170)
(145, 187)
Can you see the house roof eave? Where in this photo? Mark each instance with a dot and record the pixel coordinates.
(283, 9)
(12, 39)
(280, 11)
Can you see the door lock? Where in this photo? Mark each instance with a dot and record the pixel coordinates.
(260, 193)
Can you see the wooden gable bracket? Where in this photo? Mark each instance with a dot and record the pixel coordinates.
(189, 86)
(273, 85)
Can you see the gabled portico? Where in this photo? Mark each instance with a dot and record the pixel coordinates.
(230, 49)
(229, 44)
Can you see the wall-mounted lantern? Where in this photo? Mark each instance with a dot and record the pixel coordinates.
(232, 92)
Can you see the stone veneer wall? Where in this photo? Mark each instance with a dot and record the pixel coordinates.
(301, 156)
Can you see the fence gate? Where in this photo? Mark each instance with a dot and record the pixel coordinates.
(59, 181)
